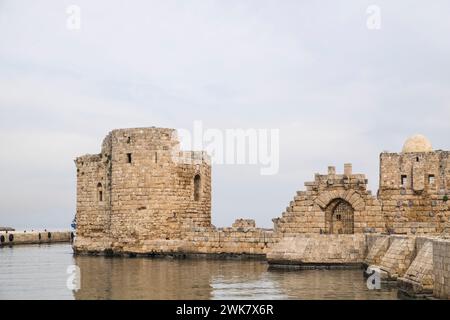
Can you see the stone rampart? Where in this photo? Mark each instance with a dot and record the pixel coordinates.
(34, 237)
(319, 250)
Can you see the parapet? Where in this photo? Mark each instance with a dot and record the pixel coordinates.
(244, 223)
(333, 179)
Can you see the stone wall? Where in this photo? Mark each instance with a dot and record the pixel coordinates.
(313, 210)
(419, 264)
(377, 246)
(142, 194)
(34, 237)
(413, 190)
(234, 240)
(140, 188)
(441, 262)
(398, 257)
(316, 249)
(419, 277)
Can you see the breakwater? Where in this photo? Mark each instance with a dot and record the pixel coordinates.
(8, 238)
(420, 265)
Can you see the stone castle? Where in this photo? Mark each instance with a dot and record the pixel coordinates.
(142, 195)
(141, 191)
(412, 197)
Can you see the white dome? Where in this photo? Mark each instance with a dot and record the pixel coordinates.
(417, 143)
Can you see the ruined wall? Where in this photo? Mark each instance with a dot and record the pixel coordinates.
(93, 213)
(377, 246)
(398, 257)
(314, 210)
(419, 277)
(142, 194)
(441, 270)
(242, 238)
(141, 187)
(413, 190)
(235, 240)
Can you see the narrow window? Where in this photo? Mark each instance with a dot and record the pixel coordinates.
(431, 179)
(156, 157)
(128, 139)
(404, 180)
(417, 159)
(100, 192)
(197, 187)
(129, 157)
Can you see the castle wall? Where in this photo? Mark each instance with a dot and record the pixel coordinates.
(377, 246)
(242, 238)
(316, 249)
(413, 190)
(419, 277)
(92, 213)
(150, 190)
(154, 195)
(441, 270)
(311, 211)
(142, 194)
(398, 257)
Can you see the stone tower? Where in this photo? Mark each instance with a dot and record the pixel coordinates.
(140, 188)
(414, 187)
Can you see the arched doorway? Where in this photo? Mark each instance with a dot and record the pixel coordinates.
(339, 217)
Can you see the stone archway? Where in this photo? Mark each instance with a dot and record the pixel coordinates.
(339, 217)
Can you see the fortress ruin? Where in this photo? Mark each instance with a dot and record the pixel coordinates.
(142, 195)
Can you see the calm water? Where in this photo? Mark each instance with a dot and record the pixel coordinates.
(40, 272)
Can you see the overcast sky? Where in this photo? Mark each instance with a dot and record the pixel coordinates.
(337, 90)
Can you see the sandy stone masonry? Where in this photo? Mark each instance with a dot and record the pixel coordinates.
(142, 194)
(140, 187)
(414, 189)
(413, 197)
(332, 204)
(441, 261)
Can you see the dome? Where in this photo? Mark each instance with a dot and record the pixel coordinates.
(417, 143)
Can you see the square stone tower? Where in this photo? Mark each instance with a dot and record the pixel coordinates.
(414, 188)
(140, 187)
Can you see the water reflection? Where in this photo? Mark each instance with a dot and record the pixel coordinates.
(141, 278)
(39, 272)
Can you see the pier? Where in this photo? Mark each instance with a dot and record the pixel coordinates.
(8, 238)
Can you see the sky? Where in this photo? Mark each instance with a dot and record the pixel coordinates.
(338, 89)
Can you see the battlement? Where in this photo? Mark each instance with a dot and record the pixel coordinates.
(330, 180)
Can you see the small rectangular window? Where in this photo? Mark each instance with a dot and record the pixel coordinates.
(404, 181)
(100, 196)
(129, 157)
(431, 179)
